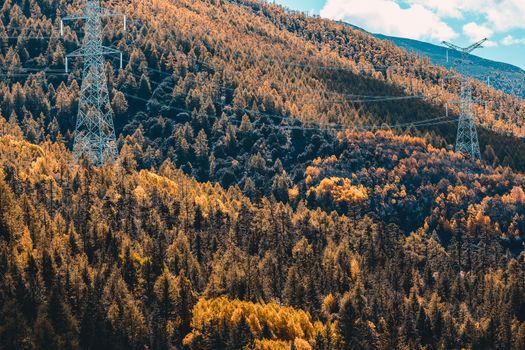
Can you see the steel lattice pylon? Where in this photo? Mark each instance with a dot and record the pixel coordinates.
(94, 133)
(467, 136)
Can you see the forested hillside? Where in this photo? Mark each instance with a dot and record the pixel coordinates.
(199, 60)
(284, 182)
(120, 258)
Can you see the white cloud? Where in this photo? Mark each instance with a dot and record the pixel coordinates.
(500, 15)
(509, 40)
(388, 17)
(490, 43)
(476, 32)
(506, 15)
(427, 19)
(443, 8)
(454, 8)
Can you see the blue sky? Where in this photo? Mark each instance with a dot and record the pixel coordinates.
(459, 21)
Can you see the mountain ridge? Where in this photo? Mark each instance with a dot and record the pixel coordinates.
(477, 67)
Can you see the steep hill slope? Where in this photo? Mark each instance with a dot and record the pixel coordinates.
(237, 58)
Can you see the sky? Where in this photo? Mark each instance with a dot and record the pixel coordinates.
(461, 22)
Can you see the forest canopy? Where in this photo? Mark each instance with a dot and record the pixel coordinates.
(234, 217)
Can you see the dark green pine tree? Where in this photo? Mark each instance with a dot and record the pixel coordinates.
(62, 319)
(347, 319)
(93, 328)
(423, 326)
(184, 305)
(240, 336)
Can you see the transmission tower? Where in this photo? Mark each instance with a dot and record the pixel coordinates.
(94, 132)
(467, 136)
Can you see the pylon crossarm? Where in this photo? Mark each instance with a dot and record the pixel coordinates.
(77, 53)
(475, 46)
(452, 46)
(70, 18)
(109, 51)
(468, 49)
(74, 18)
(82, 52)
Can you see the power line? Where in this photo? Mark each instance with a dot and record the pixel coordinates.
(29, 30)
(355, 69)
(310, 90)
(26, 37)
(333, 126)
(372, 128)
(372, 99)
(377, 99)
(355, 98)
(33, 73)
(362, 98)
